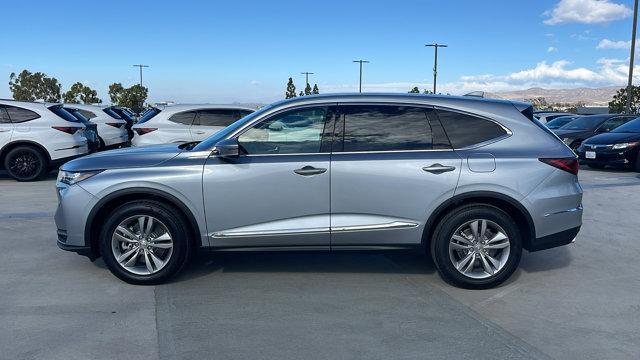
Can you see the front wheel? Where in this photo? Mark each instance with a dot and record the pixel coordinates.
(25, 163)
(145, 242)
(476, 247)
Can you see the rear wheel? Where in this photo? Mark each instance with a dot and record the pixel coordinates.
(25, 163)
(476, 246)
(145, 242)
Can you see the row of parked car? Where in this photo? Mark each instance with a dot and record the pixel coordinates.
(36, 137)
(598, 140)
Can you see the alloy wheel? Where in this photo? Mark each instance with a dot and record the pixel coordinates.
(479, 248)
(24, 164)
(142, 245)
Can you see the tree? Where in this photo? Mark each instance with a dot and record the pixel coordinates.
(132, 97)
(301, 93)
(28, 86)
(415, 90)
(619, 102)
(427, 92)
(307, 89)
(79, 93)
(291, 90)
(315, 89)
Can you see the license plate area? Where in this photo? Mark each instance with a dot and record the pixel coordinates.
(590, 154)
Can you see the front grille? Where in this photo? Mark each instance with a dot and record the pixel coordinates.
(62, 235)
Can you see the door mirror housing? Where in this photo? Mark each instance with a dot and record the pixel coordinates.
(227, 148)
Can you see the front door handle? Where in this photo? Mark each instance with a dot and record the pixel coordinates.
(199, 132)
(438, 168)
(5, 130)
(309, 170)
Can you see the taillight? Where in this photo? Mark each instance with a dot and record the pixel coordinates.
(142, 131)
(67, 129)
(115, 125)
(569, 165)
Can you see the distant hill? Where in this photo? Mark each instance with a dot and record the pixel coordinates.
(589, 96)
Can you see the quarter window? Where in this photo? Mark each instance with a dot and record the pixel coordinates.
(466, 130)
(298, 131)
(185, 118)
(4, 117)
(18, 115)
(385, 128)
(215, 117)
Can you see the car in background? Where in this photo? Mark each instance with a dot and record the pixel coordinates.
(333, 173)
(545, 117)
(112, 132)
(185, 123)
(575, 132)
(90, 129)
(561, 121)
(619, 147)
(33, 139)
(118, 112)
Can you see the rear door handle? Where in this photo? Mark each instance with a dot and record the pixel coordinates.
(309, 170)
(438, 168)
(199, 132)
(5, 130)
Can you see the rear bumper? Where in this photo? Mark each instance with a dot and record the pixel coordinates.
(554, 240)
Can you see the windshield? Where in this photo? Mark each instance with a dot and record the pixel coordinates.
(561, 121)
(58, 110)
(209, 143)
(83, 119)
(584, 123)
(148, 115)
(632, 126)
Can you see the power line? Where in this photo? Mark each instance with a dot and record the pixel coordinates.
(435, 62)
(360, 62)
(141, 66)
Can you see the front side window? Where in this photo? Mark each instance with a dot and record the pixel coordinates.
(385, 128)
(215, 117)
(18, 115)
(466, 130)
(292, 132)
(185, 118)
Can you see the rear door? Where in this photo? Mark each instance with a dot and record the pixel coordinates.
(210, 121)
(391, 166)
(6, 128)
(179, 128)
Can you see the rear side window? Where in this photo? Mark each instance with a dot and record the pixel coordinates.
(385, 128)
(215, 117)
(87, 114)
(4, 117)
(185, 118)
(465, 130)
(18, 115)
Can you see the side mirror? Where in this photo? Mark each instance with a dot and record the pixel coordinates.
(227, 148)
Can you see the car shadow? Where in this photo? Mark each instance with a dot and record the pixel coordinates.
(49, 176)
(546, 260)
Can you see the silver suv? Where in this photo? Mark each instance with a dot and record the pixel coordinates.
(470, 181)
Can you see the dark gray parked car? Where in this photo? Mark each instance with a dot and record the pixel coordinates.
(473, 180)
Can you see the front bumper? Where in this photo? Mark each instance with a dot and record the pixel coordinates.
(74, 205)
(623, 157)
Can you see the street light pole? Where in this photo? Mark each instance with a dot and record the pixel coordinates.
(435, 62)
(306, 74)
(360, 62)
(633, 48)
(141, 66)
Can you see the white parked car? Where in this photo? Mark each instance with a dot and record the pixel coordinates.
(111, 132)
(33, 139)
(184, 123)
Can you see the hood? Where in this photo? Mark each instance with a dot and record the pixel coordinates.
(572, 133)
(613, 138)
(145, 156)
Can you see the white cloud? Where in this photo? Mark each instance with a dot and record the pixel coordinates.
(551, 49)
(610, 44)
(255, 82)
(586, 12)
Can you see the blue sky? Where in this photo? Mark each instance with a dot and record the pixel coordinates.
(209, 51)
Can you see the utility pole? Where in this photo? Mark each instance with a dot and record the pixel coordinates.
(633, 51)
(141, 66)
(306, 74)
(360, 62)
(435, 62)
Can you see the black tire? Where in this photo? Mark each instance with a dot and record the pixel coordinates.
(101, 145)
(456, 218)
(637, 164)
(594, 166)
(26, 163)
(176, 225)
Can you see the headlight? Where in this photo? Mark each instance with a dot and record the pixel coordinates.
(73, 177)
(624, 145)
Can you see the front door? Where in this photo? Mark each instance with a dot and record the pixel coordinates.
(391, 166)
(276, 194)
